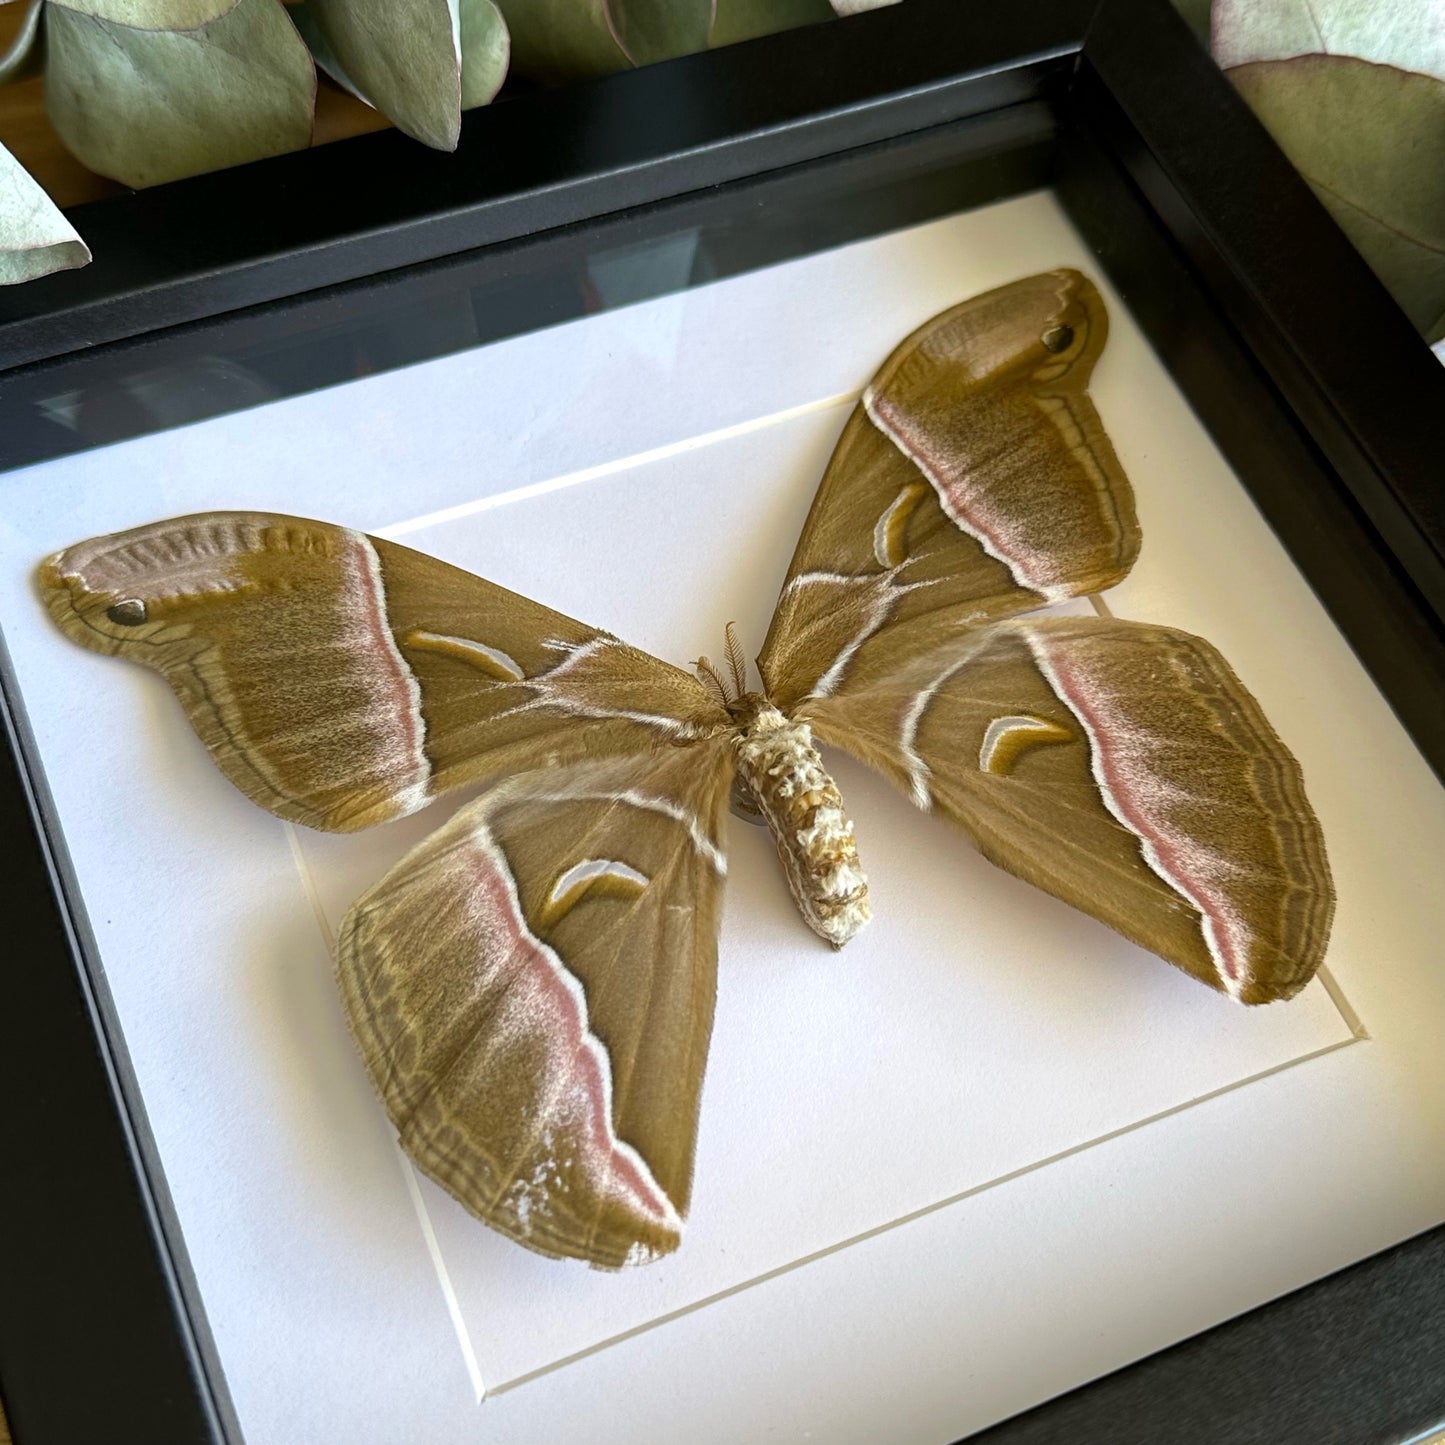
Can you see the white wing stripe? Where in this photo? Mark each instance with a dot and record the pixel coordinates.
(652, 804)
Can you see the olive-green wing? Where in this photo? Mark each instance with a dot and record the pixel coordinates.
(532, 991)
(973, 481)
(340, 680)
(1122, 767)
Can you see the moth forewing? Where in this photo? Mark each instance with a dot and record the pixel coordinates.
(973, 481)
(341, 680)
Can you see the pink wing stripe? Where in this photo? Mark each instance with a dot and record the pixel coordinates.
(539, 998)
(952, 494)
(992, 528)
(1139, 798)
(395, 717)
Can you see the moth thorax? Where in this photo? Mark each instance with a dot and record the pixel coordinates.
(783, 772)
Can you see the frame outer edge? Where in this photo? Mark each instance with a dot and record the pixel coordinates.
(1341, 352)
(118, 1288)
(1360, 1350)
(195, 248)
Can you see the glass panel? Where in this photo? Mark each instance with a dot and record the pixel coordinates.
(986, 1120)
(399, 318)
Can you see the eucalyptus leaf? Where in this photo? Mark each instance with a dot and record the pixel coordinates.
(155, 14)
(320, 47)
(557, 40)
(1409, 34)
(26, 54)
(1370, 140)
(743, 19)
(486, 51)
(652, 30)
(35, 239)
(403, 57)
(146, 105)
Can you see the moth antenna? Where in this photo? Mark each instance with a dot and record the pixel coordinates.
(708, 675)
(737, 663)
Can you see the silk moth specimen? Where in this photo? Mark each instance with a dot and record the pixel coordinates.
(532, 987)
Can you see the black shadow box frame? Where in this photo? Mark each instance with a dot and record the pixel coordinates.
(310, 269)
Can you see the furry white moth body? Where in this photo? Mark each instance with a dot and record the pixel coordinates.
(793, 791)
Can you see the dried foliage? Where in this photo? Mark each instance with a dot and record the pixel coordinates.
(1355, 95)
(146, 91)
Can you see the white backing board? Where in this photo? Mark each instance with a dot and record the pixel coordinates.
(989, 1131)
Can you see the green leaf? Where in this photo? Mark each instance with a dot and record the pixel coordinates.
(27, 51)
(652, 30)
(322, 55)
(35, 239)
(1407, 34)
(558, 40)
(402, 56)
(486, 50)
(743, 19)
(1370, 140)
(420, 93)
(154, 14)
(147, 106)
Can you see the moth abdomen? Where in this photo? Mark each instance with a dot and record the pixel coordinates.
(783, 772)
